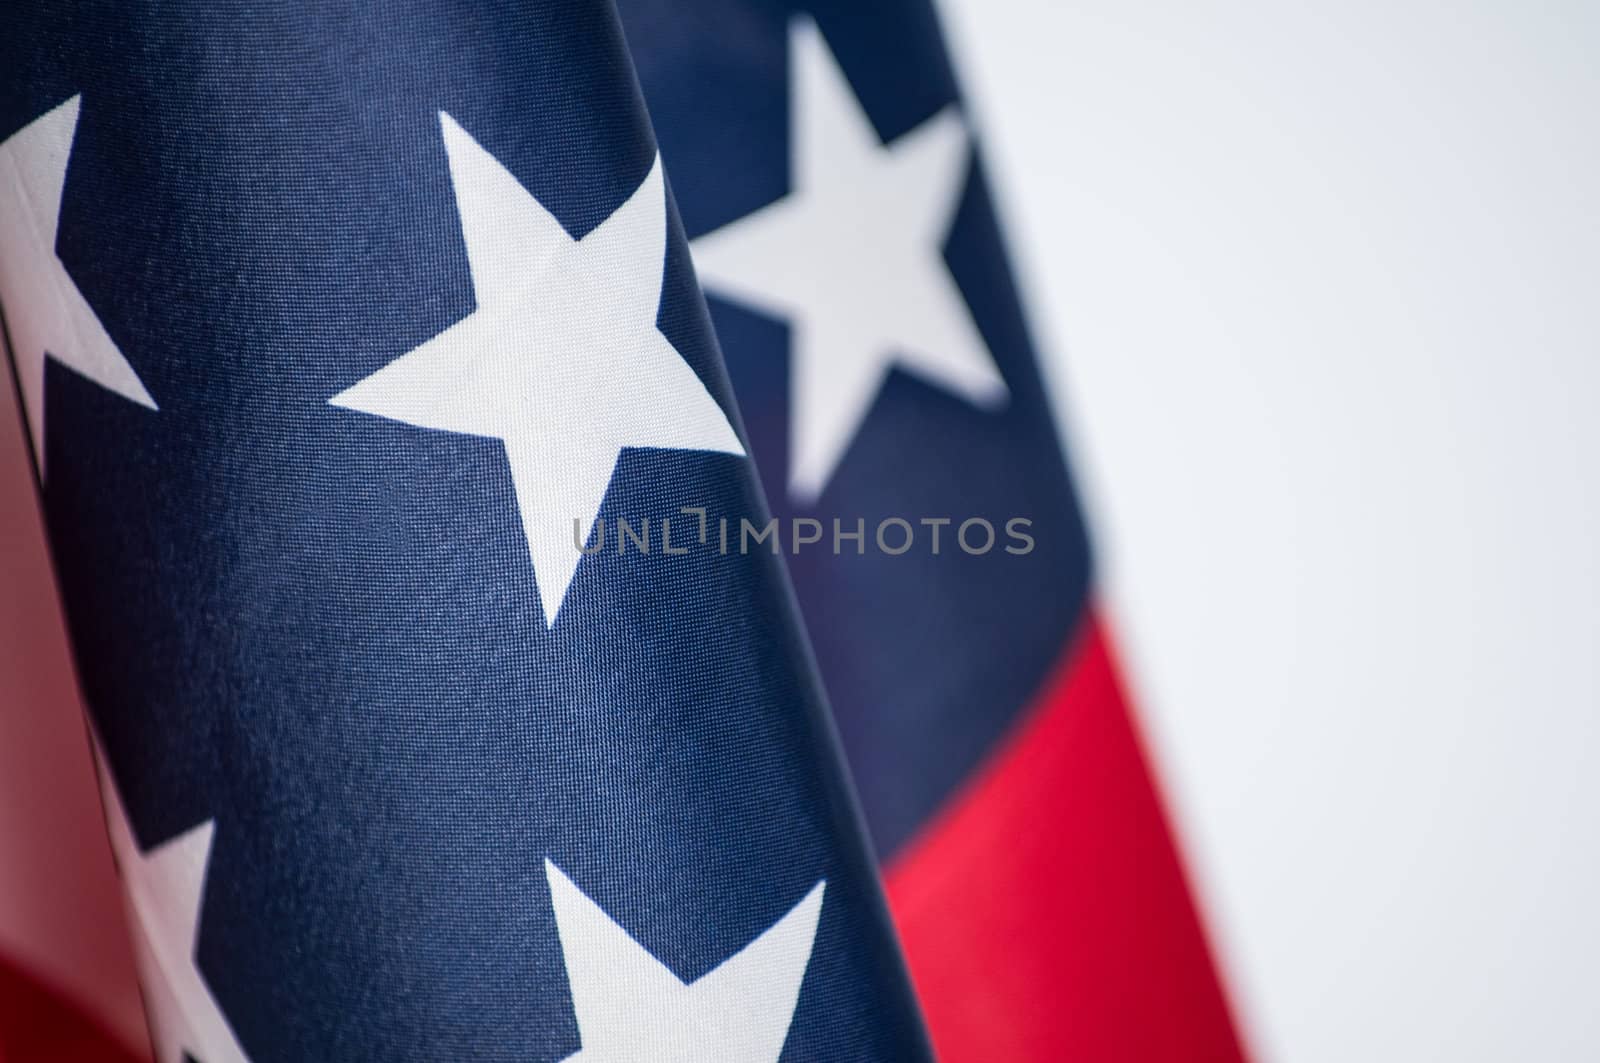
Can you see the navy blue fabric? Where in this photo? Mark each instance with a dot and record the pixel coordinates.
(320, 628)
(928, 659)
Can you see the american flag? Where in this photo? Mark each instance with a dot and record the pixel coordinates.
(828, 175)
(388, 454)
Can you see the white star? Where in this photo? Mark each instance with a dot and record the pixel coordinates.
(163, 889)
(45, 312)
(561, 360)
(631, 1008)
(853, 257)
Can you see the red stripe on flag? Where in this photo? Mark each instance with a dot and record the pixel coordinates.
(40, 1026)
(1045, 913)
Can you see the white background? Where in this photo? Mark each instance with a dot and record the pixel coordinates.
(1320, 291)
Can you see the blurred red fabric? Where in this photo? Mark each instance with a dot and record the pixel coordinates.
(1045, 914)
(67, 985)
(39, 1026)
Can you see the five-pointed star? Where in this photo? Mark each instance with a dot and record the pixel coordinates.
(631, 1007)
(163, 889)
(853, 258)
(45, 312)
(561, 360)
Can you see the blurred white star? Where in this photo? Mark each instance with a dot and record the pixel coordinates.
(853, 259)
(45, 313)
(163, 889)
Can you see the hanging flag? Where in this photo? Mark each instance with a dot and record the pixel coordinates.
(368, 382)
(841, 224)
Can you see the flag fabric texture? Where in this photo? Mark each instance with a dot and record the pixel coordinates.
(337, 330)
(843, 229)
